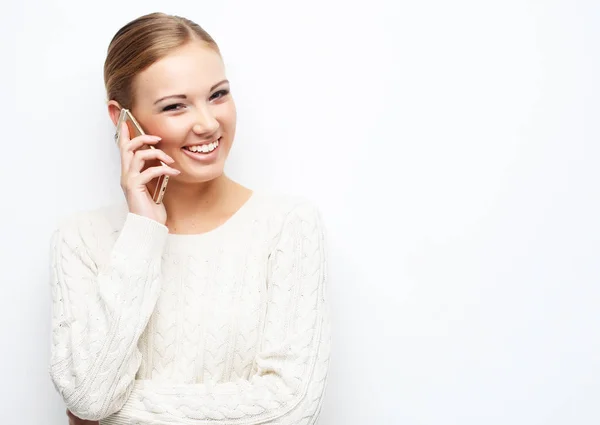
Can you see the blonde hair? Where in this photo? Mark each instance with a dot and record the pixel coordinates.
(142, 42)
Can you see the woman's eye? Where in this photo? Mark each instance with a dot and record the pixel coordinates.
(178, 106)
(173, 107)
(222, 93)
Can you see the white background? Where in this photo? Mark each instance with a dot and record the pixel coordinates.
(452, 147)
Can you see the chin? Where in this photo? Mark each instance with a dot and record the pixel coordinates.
(200, 176)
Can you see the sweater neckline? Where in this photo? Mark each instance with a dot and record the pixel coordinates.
(176, 238)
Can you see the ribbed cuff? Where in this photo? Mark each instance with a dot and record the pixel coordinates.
(129, 413)
(141, 237)
(116, 419)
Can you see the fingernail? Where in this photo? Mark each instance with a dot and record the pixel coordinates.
(156, 137)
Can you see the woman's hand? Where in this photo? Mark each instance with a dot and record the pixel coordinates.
(74, 420)
(134, 180)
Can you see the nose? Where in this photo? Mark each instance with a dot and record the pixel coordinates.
(206, 123)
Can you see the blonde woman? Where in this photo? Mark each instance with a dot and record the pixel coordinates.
(209, 307)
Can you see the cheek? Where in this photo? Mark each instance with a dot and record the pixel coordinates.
(228, 116)
(174, 132)
(170, 148)
(172, 136)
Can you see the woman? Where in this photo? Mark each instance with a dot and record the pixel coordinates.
(210, 306)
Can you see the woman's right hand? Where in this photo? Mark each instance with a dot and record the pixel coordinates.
(134, 180)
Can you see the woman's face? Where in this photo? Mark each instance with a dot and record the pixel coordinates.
(185, 99)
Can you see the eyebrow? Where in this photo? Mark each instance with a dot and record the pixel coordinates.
(183, 96)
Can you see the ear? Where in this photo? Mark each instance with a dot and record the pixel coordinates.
(114, 110)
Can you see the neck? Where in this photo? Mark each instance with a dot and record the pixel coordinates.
(187, 202)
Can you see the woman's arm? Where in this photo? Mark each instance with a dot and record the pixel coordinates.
(100, 310)
(291, 367)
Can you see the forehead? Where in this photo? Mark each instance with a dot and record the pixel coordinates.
(190, 68)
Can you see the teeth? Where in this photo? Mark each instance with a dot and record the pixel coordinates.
(204, 148)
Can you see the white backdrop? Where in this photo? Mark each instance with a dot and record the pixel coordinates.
(453, 149)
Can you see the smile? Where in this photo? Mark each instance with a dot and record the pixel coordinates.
(203, 153)
(203, 148)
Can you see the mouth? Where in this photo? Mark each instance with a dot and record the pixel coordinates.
(203, 153)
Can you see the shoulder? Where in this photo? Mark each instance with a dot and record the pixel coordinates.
(280, 208)
(276, 203)
(289, 216)
(93, 227)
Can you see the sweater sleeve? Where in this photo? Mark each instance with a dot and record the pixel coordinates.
(100, 307)
(292, 363)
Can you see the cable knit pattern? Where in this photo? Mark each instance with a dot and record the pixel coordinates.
(227, 327)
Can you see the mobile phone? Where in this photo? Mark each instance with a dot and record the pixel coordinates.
(157, 189)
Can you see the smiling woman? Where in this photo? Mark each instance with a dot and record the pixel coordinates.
(174, 83)
(208, 306)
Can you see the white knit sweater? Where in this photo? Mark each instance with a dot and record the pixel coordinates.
(226, 327)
